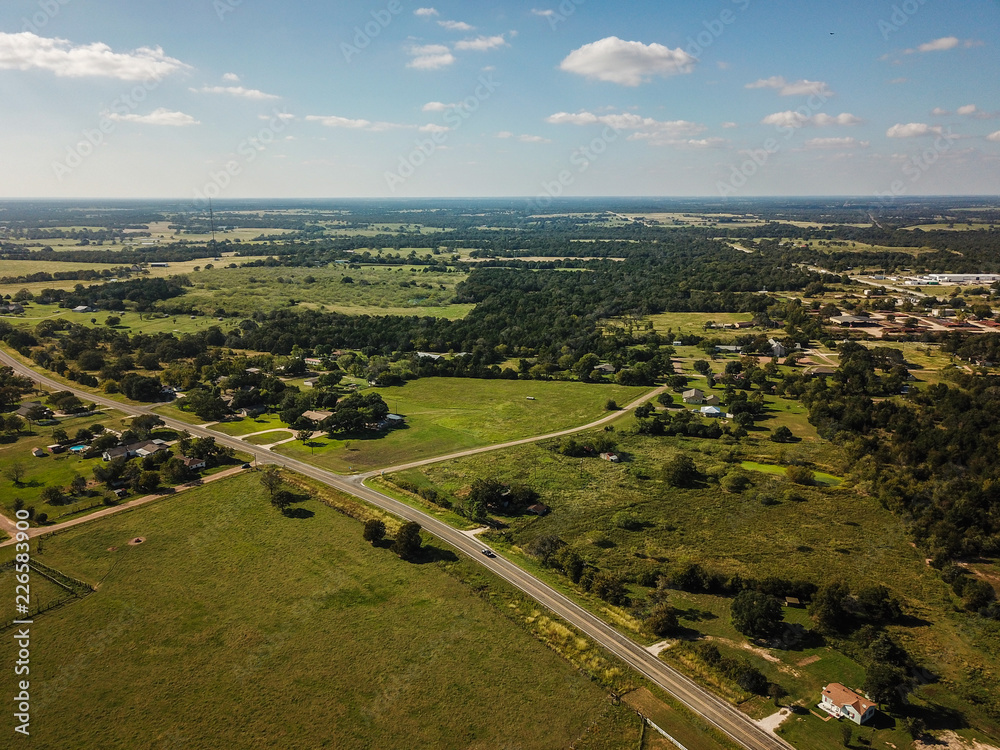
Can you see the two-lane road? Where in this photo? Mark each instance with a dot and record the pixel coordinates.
(730, 721)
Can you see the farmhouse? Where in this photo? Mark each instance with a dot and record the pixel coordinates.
(141, 449)
(605, 369)
(538, 509)
(25, 410)
(710, 411)
(192, 463)
(317, 416)
(842, 701)
(693, 396)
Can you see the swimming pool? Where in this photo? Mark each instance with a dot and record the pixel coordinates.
(79, 448)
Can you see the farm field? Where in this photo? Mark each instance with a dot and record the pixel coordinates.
(774, 528)
(445, 415)
(372, 290)
(150, 323)
(352, 632)
(694, 323)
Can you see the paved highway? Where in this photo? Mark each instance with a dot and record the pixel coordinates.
(715, 711)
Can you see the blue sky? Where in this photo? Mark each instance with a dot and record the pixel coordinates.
(251, 98)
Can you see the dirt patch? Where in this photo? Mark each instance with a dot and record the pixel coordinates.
(761, 652)
(112, 549)
(138, 540)
(951, 741)
(810, 660)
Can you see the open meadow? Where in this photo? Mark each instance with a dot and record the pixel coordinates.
(627, 519)
(445, 415)
(361, 290)
(232, 625)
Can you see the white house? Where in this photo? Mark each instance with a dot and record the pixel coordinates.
(842, 701)
(693, 396)
(710, 411)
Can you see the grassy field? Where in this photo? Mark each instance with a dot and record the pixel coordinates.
(374, 289)
(813, 534)
(681, 323)
(445, 415)
(320, 640)
(130, 322)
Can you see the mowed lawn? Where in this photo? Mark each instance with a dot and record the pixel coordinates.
(233, 626)
(445, 415)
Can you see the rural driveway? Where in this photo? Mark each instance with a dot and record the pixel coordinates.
(712, 709)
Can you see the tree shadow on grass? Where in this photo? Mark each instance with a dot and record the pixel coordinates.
(300, 513)
(693, 614)
(431, 554)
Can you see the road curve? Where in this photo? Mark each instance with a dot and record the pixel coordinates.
(715, 711)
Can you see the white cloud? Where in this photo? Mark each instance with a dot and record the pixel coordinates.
(995, 137)
(944, 44)
(625, 121)
(284, 116)
(456, 25)
(161, 116)
(968, 109)
(334, 121)
(912, 130)
(436, 107)
(722, 65)
(27, 51)
(833, 143)
(481, 44)
(801, 87)
(533, 139)
(230, 78)
(940, 112)
(239, 91)
(505, 134)
(795, 119)
(425, 12)
(897, 81)
(626, 63)
(729, 125)
(430, 57)
(433, 128)
(547, 13)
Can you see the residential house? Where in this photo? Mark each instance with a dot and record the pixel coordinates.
(777, 348)
(605, 369)
(317, 416)
(693, 396)
(37, 453)
(710, 411)
(393, 420)
(842, 701)
(712, 400)
(133, 450)
(252, 411)
(729, 349)
(192, 463)
(26, 409)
